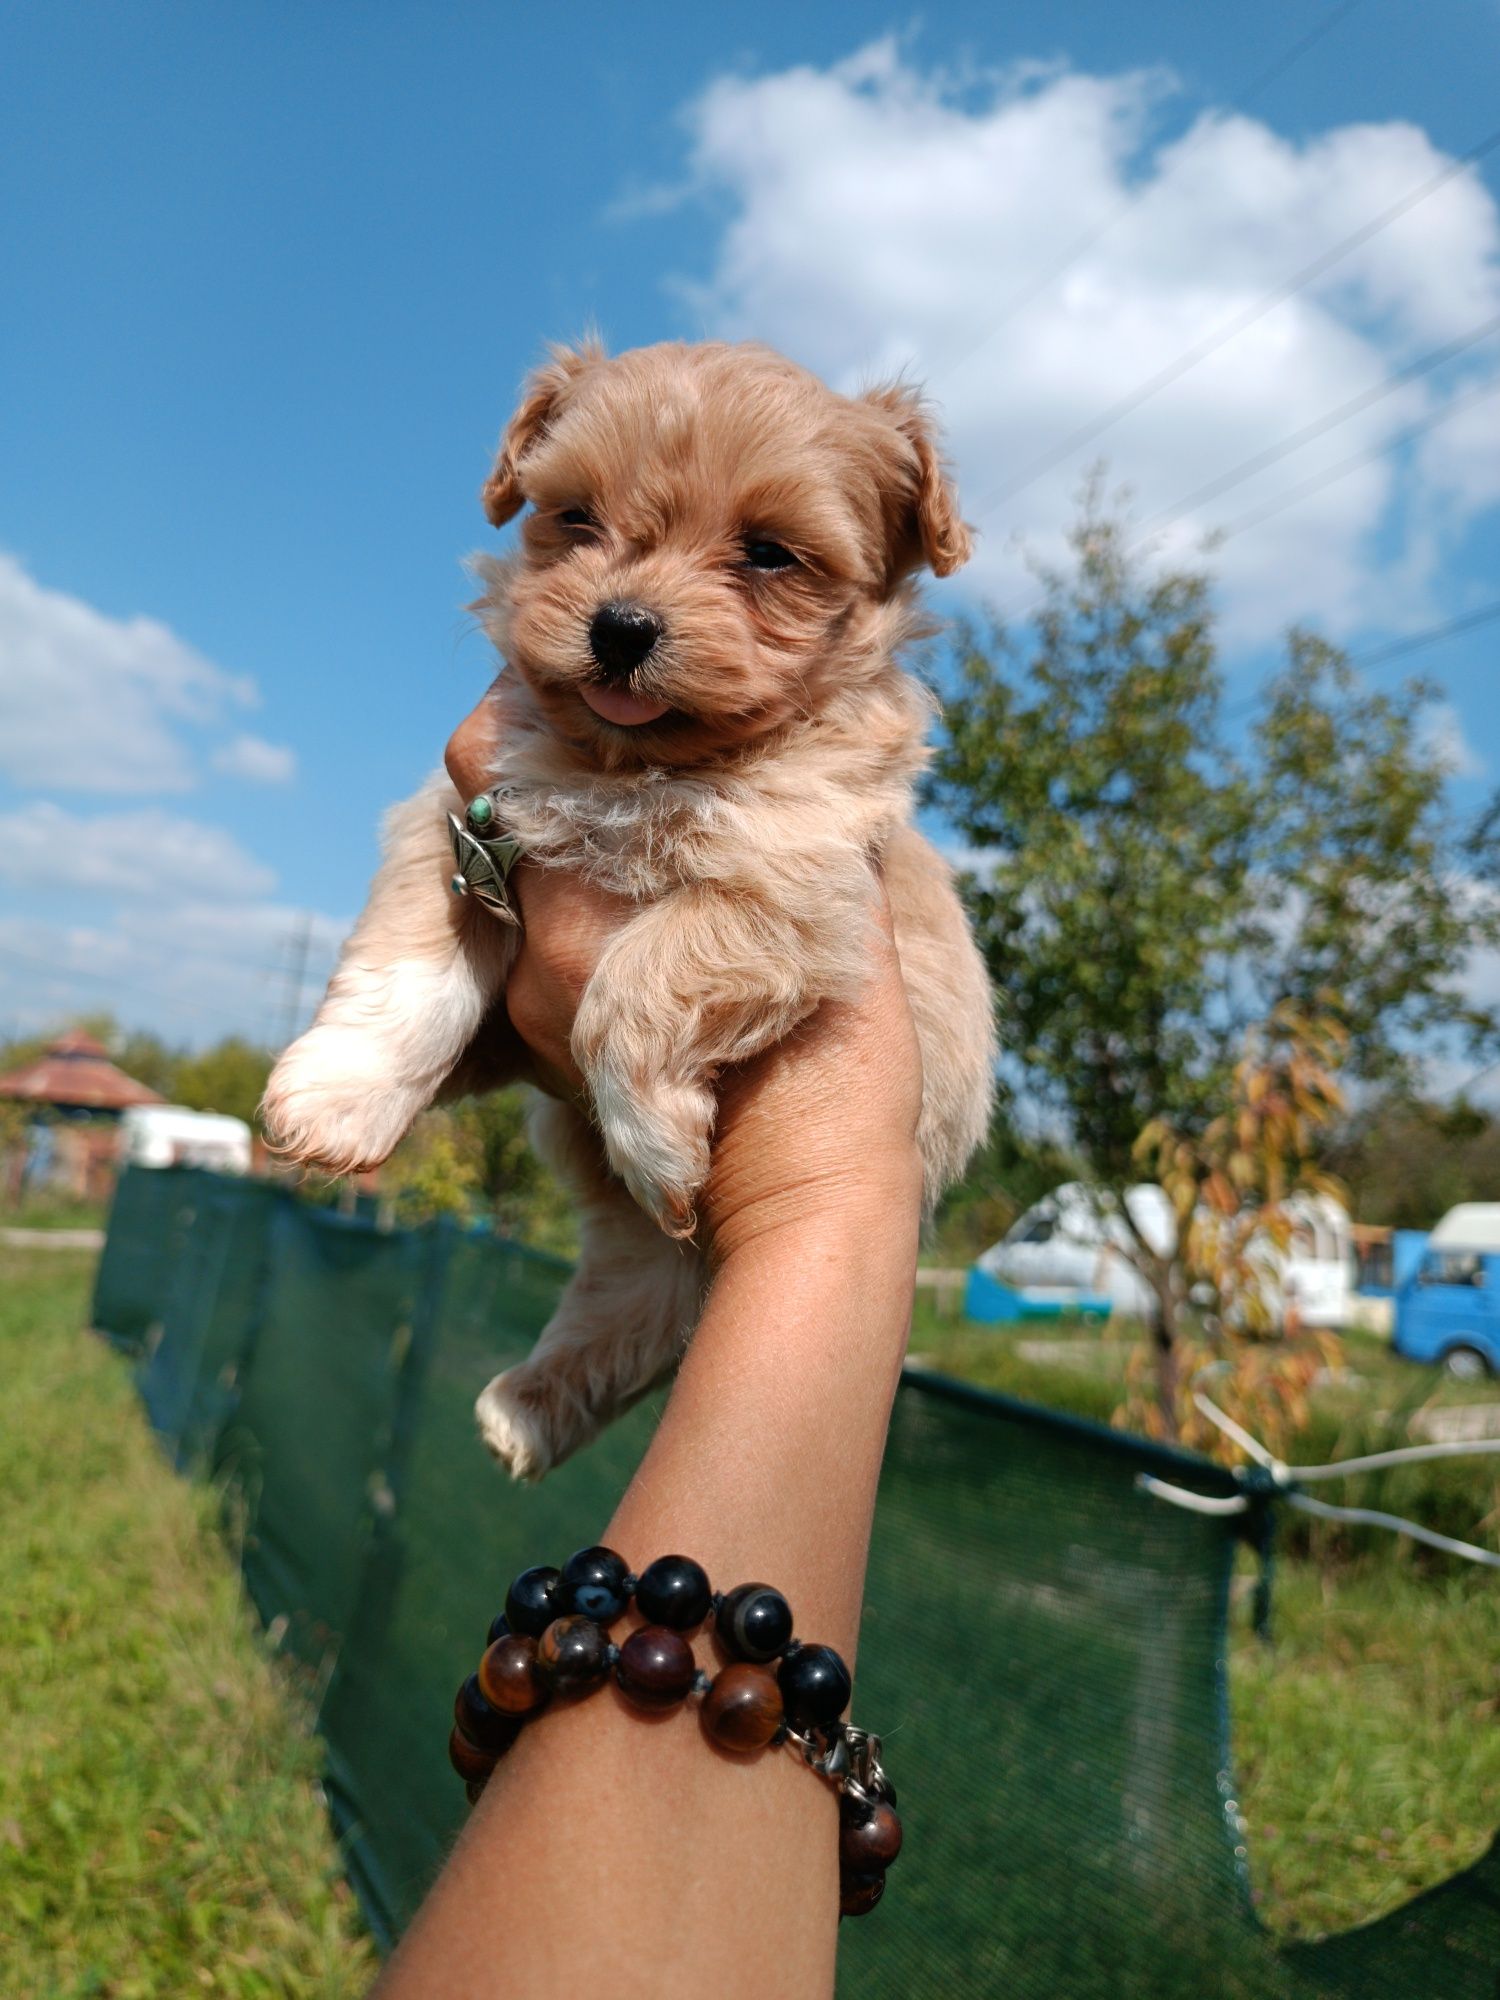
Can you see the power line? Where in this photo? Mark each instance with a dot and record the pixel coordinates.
(14, 956)
(1450, 629)
(1378, 656)
(1220, 336)
(1294, 54)
(1320, 426)
(1042, 280)
(1329, 474)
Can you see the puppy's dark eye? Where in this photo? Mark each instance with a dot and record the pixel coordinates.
(769, 555)
(577, 517)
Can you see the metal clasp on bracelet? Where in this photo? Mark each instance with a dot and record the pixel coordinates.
(849, 1758)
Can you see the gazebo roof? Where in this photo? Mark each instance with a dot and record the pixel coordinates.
(77, 1071)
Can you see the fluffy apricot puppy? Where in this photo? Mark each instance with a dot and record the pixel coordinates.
(704, 711)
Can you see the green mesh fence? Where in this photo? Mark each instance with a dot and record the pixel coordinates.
(194, 1359)
(1043, 1643)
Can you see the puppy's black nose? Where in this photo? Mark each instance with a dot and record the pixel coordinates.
(620, 637)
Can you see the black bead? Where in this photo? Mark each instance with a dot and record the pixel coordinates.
(532, 1603)
(753, 1622)
(674, 1591)
(593, 1584)
(572, 1655)
(499, 1626)
(815, 1686)
(481, 1722)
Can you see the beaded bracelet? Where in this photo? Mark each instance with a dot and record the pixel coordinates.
(552, 1639)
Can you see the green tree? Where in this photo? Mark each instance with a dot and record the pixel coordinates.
(1010, 1172)
(431, 1172)
(1233, 1190)
(229, 1077)
(1149, 885)
(1406, 1161)
(525, 1199)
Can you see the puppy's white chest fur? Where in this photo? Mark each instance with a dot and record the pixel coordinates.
(819, 796)
(635, 834)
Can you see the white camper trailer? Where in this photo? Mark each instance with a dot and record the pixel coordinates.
(1069, 1253)
(169, 1135)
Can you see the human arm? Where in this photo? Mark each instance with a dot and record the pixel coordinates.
(606, 1849)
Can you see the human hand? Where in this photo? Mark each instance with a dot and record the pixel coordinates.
(822, 1125)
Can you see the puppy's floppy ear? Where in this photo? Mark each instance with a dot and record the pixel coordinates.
(928, 526)
(501, 492)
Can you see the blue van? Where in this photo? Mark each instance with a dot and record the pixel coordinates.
(1448, 1309)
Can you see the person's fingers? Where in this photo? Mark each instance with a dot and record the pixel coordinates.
(566, 923)
(826, 1119)
(471, 748)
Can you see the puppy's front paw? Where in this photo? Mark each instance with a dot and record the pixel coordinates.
(529, 1417)
(657, 1142)
(329, 1105)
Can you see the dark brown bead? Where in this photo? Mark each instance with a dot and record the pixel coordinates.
(656, 1667)
(742, 1709)
(508, 1678)
(869, 1846)
(484, 1726)
(572, 1655)
(474, 1790)
(472, 1764)
(858, 1894)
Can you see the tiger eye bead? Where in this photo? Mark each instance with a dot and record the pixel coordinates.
(573, 1654)
(868, 1844)
(753, 1622)
(593, 1582)
(742, 1709)
(656, 1667)
(472, 1764)
(508, 1678)
(858, 1894)
(815, 1686)
(483, 1725)
(674, 1591)
(533, 1601)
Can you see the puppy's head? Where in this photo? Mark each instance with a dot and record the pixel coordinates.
(712, 544)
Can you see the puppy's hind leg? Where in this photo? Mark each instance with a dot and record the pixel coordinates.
(624, 1318)
(413, 985)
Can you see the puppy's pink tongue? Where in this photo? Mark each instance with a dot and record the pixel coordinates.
(618, 705)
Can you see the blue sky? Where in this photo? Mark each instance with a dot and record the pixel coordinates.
(275, 274)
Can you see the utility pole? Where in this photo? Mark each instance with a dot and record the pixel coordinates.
(296, 976)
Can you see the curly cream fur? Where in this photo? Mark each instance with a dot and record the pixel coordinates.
(743, 826)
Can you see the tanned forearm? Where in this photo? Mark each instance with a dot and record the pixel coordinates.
(617, 1852)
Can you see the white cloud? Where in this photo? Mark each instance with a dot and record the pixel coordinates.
(190, 970)
(885, 218)
(150, 854)
(256, 760)
(1447, 741)
(94, 703)
(165, 920)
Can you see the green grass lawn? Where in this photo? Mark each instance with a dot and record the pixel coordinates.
(53, 1211)
(160, 1827)
(1365, 1736)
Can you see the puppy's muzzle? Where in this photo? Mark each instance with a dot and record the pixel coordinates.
(620, 638)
